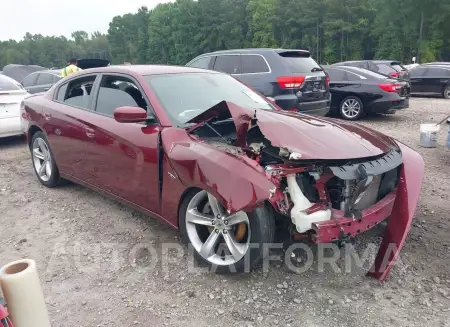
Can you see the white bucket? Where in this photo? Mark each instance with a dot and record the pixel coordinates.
(428, 135)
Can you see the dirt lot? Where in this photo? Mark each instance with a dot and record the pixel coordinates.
(95, 271)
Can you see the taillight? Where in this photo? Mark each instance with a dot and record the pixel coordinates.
(395, 74)
(390, 87)
(327, 80)
(290, 82)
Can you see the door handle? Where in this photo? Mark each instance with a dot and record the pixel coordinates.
(46, 88)
(47, 116)
(89, 132)
(443, 80)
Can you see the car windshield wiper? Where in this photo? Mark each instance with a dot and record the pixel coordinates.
(316, 69)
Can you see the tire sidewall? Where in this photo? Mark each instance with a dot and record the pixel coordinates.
(359, 115)
(54, 178)
(446, 92)
(262, 227)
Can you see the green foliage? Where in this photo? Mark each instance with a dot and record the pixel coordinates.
(176, 32)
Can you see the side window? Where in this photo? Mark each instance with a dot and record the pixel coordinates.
(417, 72)
(372, 67)
(44, 79)
(385, 69)
(253, 64)
(118, 91)
(61, 95)
(353, 77)
(337, 75)
(30, 80)
(55, 78)
(435, 72)
(227, 64)
(78, 92)
(202, 63)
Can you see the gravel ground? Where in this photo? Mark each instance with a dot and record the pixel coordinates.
(95, 269)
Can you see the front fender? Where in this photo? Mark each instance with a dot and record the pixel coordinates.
(399, 223)
(237, 181)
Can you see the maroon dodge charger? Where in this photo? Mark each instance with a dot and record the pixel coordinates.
(220, 162)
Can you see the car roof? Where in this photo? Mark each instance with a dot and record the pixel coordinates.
(254, 50)
(148, 69)
(374, 61)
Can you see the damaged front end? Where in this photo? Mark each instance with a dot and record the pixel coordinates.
(326, 196)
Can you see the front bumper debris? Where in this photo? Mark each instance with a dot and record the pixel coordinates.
(332, 230)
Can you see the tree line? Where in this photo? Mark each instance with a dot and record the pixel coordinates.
(333, 30)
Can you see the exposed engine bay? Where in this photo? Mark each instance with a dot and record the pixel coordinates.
(309, 191)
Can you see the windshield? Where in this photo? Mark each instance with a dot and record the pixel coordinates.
(187, 95)
(8, 84)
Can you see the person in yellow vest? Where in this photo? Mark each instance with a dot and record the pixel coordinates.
(71, 68)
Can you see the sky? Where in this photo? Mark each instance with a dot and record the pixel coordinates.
(62, 17)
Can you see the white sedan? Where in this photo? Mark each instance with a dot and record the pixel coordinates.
(12, 94)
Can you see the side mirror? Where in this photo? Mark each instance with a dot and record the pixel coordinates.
(130, 115)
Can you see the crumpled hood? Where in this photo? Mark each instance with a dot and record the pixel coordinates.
(310, 137)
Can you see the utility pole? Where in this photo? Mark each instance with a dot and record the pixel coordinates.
(420, 38)
(318, 43)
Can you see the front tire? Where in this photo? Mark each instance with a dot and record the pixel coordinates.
(351, 108)
(43, 161)
(446, 92)
(225, 243)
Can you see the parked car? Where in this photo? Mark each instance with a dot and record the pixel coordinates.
(431, 80)
(41, 81)
(291, 77)
(441, 63)
(211, 157)
(390, 68)
(356, 92)
(11, 96)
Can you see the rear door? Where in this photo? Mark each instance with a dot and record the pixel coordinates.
(228, 63)
(64, 122)
(255, 72)
(436, 80)
(29, 83)
(338, 85)
(44, 82)
(418, 79)
(300, 65)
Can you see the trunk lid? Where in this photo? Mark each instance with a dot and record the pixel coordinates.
(313, 86)
(10, 103)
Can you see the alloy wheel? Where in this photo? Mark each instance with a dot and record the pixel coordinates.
(42, 159)
(447, 93)
(351, 108)
(218, 237)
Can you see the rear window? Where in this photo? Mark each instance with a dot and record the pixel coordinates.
(8, 84)
(398, 67)
(298, 62)
(367, 73)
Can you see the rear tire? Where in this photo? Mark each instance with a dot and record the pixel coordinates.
(234, 248)
(44, 164)
(351, 108)
(446, 92)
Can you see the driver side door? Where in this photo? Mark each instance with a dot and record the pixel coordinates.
(121, 158)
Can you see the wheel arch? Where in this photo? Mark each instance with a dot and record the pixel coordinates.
(31, 131)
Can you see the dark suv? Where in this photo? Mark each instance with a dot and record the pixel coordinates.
(391, 68)
(291, 77)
